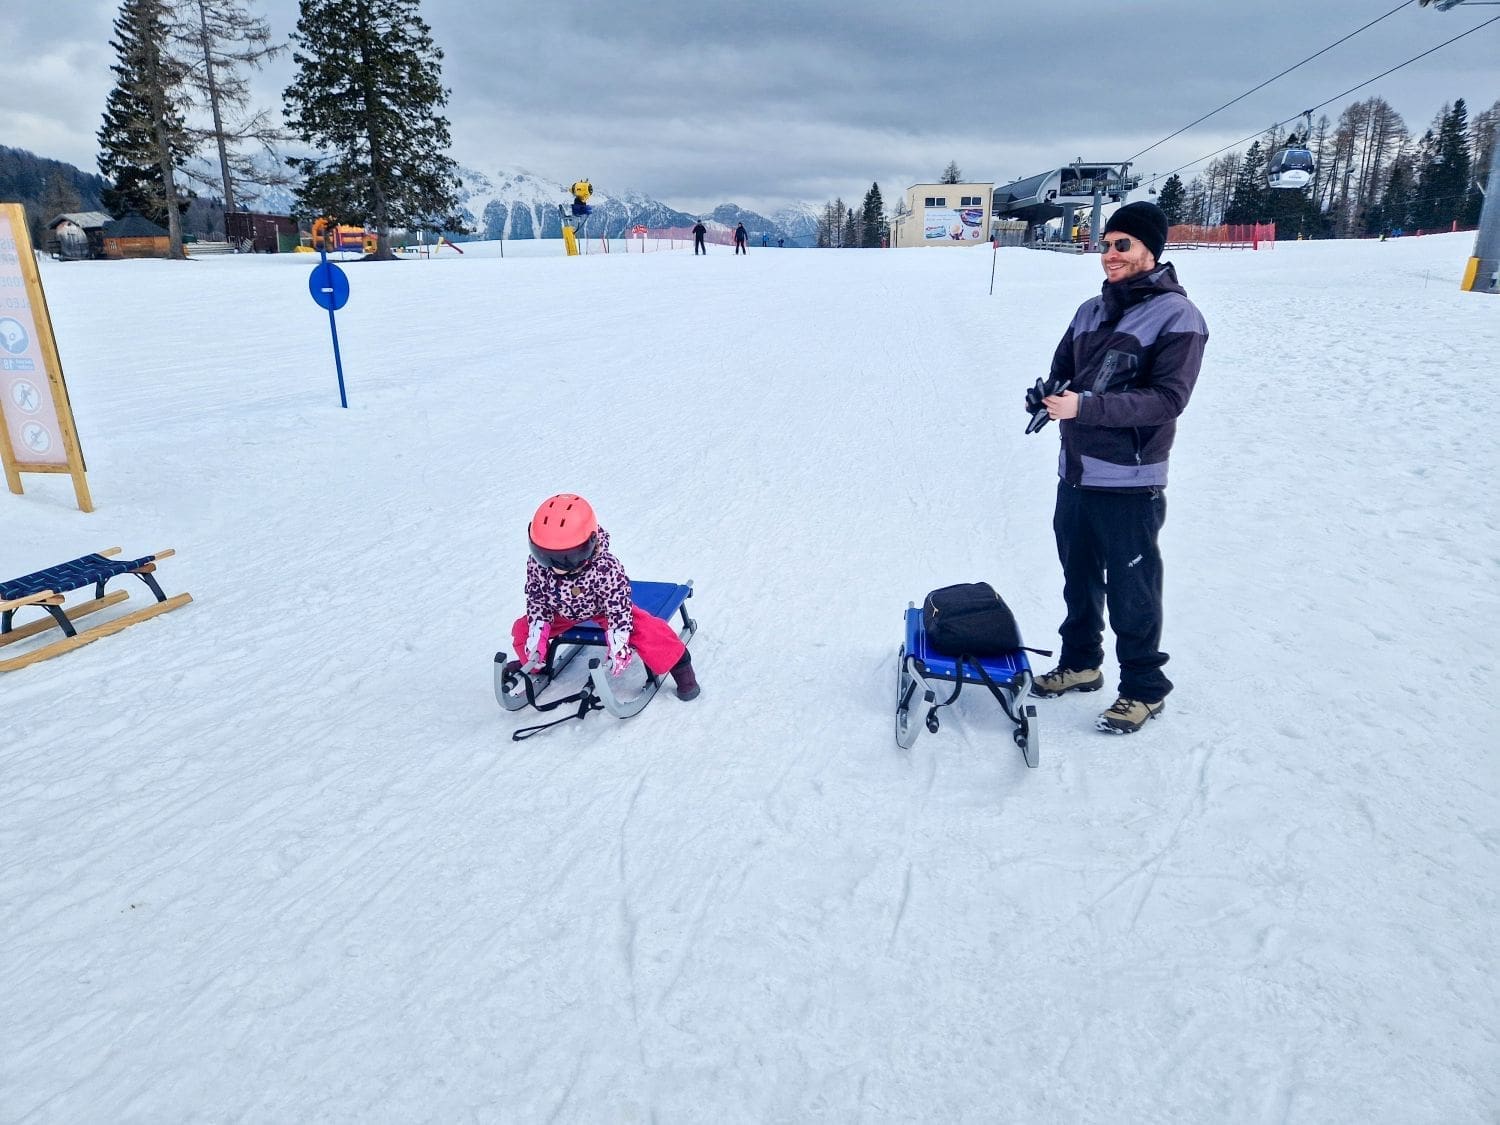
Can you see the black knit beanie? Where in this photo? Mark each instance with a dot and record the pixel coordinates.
(1145, 221)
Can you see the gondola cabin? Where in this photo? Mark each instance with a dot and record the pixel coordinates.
(1291, 167)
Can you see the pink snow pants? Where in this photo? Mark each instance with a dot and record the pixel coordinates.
(656, 641)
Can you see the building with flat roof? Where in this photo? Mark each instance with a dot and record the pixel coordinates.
(943, 215)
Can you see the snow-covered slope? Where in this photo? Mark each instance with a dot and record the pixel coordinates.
(274, 857)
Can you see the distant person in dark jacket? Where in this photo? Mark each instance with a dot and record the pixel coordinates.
(739, 240)
(699, 230)
(1131, 358)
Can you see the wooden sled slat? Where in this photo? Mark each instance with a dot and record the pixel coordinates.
(67, 644)
(42, 624)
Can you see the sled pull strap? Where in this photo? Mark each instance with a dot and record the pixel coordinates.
(586, 703)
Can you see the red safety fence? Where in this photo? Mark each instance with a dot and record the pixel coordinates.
(1243, 236)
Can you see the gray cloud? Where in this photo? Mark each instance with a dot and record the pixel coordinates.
(702, 103)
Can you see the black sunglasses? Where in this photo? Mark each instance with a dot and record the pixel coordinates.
(1121, 245)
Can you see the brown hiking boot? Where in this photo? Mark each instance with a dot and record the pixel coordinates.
(685, 678)
(1061, 680)
(1127, 716)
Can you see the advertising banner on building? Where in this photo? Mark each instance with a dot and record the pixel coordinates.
(37, 434)
(942, 224)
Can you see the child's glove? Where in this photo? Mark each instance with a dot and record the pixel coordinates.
(619, 652)
(536, 646)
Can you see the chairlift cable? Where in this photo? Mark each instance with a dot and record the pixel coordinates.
(1329, 101)
(1268, 81)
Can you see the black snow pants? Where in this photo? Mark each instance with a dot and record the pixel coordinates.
(1106, 542)
(698, 247)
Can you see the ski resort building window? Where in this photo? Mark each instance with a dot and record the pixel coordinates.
(937, 201)
(971, 201)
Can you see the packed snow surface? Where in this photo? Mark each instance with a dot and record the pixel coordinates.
(274, 856)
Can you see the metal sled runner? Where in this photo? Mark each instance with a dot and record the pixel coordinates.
(46, 590)
(920, 666)
(515, 689)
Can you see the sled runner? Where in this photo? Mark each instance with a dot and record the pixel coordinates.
(515, 690)
(45, 590)
(920, 667)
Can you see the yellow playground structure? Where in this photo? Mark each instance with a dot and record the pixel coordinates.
(334, 237)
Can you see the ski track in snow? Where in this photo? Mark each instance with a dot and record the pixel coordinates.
(274, 857)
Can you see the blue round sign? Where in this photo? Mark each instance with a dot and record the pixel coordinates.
(329, 286)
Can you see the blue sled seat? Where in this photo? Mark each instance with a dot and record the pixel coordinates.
(659, 599)
(941, 666)
(93, 570)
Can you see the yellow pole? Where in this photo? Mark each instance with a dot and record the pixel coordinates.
(570, 239)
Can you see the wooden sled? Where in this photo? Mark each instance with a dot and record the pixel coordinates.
(45, 590)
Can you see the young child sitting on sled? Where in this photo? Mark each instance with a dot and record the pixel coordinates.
(572, 577)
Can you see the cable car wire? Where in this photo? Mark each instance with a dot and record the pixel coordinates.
(1268, 81)
(1329, 101)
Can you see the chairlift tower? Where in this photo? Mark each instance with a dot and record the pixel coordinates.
(1116, 184)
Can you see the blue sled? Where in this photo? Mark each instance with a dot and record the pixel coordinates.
(920, 666)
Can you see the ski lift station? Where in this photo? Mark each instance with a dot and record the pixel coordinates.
(963, 214)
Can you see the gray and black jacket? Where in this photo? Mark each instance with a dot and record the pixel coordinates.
(1132, 354)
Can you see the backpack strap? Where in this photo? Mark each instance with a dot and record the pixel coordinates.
(989, 683)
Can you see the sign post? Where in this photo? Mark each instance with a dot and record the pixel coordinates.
(37, 433)
(330, 289)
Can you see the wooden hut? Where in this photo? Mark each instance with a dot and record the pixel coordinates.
(135, 237)
(77, 235)
(253, 233)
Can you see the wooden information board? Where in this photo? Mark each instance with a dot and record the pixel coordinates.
(37, 434)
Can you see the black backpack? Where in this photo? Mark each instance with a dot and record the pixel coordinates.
(971, 619)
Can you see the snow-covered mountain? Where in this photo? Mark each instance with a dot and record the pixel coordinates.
(800, 223)
(520, 204)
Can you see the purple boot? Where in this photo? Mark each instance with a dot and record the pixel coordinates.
(685, 678)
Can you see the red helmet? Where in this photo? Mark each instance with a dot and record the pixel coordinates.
(564, 532)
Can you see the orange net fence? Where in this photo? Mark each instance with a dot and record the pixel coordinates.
(1226, 236)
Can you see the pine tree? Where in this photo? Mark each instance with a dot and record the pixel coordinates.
(851, 230)
(1173, 199)
(1458, 165)
(1248, 198)
(368, 92)
(872, 220)
(1392, 212)
(216, 41)
(143, 142)
(951, 174)
(1422, 212)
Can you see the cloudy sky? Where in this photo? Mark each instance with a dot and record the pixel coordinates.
(784, 101)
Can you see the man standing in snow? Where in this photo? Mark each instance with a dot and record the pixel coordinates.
(699, 230)
(739, 240)
(1130, 359)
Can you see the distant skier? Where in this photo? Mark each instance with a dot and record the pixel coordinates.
(1135, 351)
(572, 577)
(739, 240)
(699, 230)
